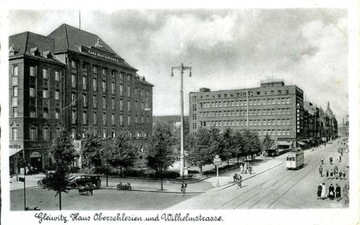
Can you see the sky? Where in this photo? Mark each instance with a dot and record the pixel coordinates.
(226, 48)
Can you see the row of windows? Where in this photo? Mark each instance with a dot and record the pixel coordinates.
(104, 72)
(137, 105)
(279, 132)
(33, 133)
(45, 75)
(226, 123)
(244, 94)
(136, 134)
(96, 70)
(269, 101)
(33, 114)
(279, 111)
(33, 72)
(138, 118)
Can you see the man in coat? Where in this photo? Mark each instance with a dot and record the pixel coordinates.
(331, 194)
(338, 192)
(321, 170)
(319, 190)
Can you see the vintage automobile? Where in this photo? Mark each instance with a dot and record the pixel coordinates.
(45, 181)
(78, 180)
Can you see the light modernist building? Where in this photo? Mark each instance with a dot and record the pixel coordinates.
(273, 108)
(71, 78)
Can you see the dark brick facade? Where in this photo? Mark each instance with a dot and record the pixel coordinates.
(52, 83)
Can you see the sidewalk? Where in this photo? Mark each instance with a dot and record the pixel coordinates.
(30, 181)
(195, 186)
(259, 165)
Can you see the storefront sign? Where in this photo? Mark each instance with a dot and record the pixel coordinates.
(15, 146)
(35, 155)
(98, 54)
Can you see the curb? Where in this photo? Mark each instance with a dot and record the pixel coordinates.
(156, 190)
(232, 184)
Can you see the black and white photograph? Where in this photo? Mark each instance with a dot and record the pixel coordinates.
(180, 114)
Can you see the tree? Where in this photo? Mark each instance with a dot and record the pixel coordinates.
(267, 142)
(62, 152)
(251, 143)
(226, 145)
(121, 153)
(238, 142)
(92, 151)
(199, 147)
(159, 149)
(256, 144)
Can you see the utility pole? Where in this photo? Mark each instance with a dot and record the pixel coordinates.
(247, 109)
(79, 19)
(182, 68)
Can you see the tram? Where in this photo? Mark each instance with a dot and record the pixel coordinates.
(294, 159)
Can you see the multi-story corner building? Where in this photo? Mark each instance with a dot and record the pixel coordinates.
(35, 90)
(273, 108)
(72, 78)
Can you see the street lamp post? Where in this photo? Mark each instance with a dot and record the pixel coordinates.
(247, 109)
(182, 68)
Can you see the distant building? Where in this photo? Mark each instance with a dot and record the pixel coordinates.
(71, 78)
(174, 120)
(344, 127)
(273, 109)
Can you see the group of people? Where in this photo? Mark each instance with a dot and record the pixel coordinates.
(245, 168)
(333, 172)
(333, 192)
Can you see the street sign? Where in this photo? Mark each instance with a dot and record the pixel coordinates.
(22, 179)
(217, 161)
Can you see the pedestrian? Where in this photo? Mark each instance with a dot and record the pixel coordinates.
(327, 174)
(241, 168)
(346, 194)
(183, 188)
(331, 160)
(340, 174)
(250, 169)
(321, 170)
(336, 171)
(235, 177)
(331, 173)
(344, 174)
(338, 192)
(322, 160)
(319, 190)
(323, 191)
(239, 181)
(340, 157)
(331, 194)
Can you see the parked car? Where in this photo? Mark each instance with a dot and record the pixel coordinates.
(45, 181)
(76, 180)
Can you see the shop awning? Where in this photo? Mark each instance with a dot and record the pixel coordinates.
(288, 143)
(14, 151)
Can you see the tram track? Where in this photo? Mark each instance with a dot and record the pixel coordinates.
(270, 187)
